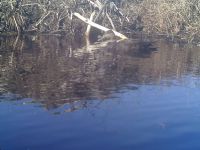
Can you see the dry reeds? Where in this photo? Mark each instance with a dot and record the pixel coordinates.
(175, 18)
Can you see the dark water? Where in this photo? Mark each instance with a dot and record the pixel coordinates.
(57, 94)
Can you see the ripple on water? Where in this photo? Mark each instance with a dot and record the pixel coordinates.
(118, 95)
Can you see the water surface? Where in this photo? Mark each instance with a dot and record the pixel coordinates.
(140, 94)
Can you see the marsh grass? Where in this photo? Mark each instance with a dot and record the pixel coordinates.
(173, 18)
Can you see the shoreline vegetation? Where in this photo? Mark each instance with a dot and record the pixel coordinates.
(179, 19)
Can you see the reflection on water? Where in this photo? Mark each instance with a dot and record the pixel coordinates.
(139, 94)
(55, 71)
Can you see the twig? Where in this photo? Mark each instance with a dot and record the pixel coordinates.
(111, 22)
(32, 4)
(42, 18)
(14, 18)
(119, 12)
(97, 5)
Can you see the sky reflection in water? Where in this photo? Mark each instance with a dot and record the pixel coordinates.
(55, 94)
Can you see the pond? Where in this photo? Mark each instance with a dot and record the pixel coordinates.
(58, 94)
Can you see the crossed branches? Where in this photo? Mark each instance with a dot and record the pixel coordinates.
(99, 10)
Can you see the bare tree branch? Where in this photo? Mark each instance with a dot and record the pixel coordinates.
(88, 21)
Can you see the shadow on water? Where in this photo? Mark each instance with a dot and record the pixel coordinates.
(55, 70)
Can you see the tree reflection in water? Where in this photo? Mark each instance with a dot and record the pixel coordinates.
(55, 70)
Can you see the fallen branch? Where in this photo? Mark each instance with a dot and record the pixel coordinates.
(100, 27)
(87, 33)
